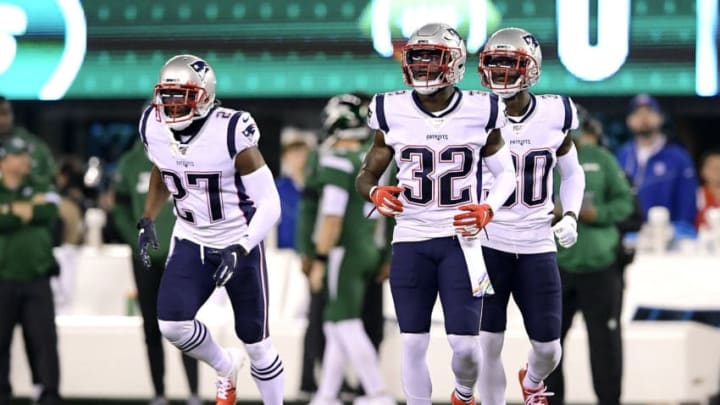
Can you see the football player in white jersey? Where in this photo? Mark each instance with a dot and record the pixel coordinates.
(437, 135)
(519, 248)
(206, 157)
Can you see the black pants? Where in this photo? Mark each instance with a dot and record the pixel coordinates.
(148, 283)
(314, 342)
(31, 305)
(598, 295)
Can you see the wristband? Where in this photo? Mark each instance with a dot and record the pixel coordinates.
(321, 258)
(571, 214)
(372, 190)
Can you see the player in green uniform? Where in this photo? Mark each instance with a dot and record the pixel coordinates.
(346, 255)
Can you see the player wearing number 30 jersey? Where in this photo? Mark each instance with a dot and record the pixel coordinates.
(437, 135)
(519, 248)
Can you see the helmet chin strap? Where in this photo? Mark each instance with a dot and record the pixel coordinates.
(506, 94)
(428, 91)
(178, 126)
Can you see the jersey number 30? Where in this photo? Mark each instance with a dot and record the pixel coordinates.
(534, 169)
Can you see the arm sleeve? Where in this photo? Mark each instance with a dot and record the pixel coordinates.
(619, 203)
(501, 166)
(46, 213)
(260, 187)
(572, 181)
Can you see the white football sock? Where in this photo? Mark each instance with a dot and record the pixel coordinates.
(267, 370)
(491, 379)
(465, 363)
(542, 360)
(414, 369)
(194, 339)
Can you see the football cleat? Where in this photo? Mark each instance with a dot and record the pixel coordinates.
(226, 384)
(537, 396)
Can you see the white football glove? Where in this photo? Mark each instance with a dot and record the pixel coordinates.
(565, 231)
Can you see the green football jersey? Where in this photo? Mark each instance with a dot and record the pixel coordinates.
(340, 168)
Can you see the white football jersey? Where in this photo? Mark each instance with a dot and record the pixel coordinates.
(437, 156)
(210, 201)
(523, 223)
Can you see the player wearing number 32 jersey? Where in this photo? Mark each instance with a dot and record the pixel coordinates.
(206, 157)
(519, 248)
(437, 135)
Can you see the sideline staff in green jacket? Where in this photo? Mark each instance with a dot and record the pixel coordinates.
(591, 279)
(130, 186)
(28, 208)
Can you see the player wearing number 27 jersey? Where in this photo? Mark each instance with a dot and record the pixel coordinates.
(519, 248)
(206, 158)
(437, 135)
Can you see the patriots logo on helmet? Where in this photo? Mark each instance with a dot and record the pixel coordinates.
(531, 41)
(453, 35)
(201, 67)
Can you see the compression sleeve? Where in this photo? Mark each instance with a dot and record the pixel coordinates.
(572, 181)
(501, 166)
(260, 187)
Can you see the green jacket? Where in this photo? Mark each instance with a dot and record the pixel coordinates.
(26, 250)
(131, 182)
(43, 165)
(607, 189)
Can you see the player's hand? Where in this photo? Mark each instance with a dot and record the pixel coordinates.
(22, 210)
(386, 201)
(473, 219)
(565, 231)
(229, 258)
(146, 237)
(588, 215)
(306, 264)
(316, 276)
(383, 273)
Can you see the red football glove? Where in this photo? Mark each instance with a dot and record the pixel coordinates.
(386, 201)
(471, 222)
